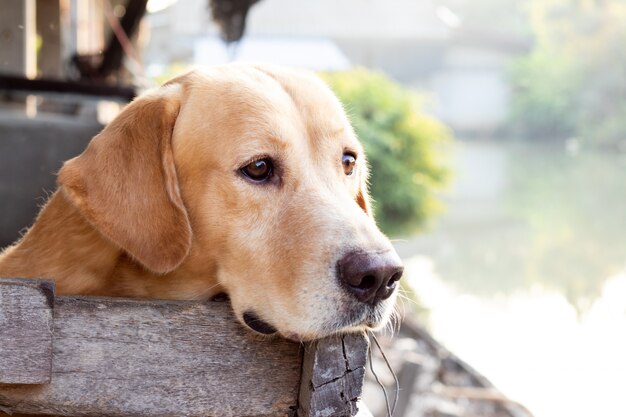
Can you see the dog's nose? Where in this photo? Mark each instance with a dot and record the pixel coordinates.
(370, 277)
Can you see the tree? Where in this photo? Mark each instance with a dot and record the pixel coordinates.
(573, 83)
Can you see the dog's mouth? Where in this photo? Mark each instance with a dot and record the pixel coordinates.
(250, 318)
(257, 324)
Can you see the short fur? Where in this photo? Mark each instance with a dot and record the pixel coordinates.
(156, 205)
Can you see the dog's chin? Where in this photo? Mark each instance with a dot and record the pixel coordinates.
(336, 329)
(365, 319)
(352, 320)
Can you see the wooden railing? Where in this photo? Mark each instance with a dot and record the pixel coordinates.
(87, 356)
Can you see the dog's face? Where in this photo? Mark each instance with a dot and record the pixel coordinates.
(261, 185)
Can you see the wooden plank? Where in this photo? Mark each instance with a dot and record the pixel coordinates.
(119, 357)
(46, 85)
(332, 376)
(25, 331)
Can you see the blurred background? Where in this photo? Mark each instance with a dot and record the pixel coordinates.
(496, 133)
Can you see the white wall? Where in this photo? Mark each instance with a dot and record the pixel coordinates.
(404, 38)
(361, 19)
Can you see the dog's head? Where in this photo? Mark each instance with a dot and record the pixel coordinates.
(251, 181)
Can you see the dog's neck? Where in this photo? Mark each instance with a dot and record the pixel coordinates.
(64, 247)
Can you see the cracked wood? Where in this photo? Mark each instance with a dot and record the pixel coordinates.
(332, 376)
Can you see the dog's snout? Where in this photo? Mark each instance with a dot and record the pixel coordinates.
(370, 277)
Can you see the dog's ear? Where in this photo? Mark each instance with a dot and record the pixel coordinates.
(125, 182)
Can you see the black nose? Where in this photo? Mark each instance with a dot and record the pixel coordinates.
(370, 277)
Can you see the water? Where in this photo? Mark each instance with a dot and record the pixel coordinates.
(524, 276)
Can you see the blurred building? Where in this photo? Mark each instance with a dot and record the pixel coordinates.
(417, 42)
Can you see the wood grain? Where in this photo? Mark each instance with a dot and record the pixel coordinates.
(25, 331)
(119, 357)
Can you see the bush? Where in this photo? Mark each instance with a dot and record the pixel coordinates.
(403, 147)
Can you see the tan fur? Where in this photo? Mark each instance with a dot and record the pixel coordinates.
(156, 207)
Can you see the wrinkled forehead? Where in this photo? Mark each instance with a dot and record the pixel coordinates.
(259, 107)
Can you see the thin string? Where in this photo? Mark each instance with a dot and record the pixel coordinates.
(390, 410)
(369, 353)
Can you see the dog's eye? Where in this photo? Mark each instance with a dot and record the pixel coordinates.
(259, 170)
(348, 161)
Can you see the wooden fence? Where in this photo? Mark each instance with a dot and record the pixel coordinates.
(87, 356)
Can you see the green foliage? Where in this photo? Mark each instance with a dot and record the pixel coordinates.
(403, 145)
(573, 83)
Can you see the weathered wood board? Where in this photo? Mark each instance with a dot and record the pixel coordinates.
(147, 358)
(332, 376)
(25, 331)
(120, 357)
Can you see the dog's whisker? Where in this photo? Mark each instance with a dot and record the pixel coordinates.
(204, 295)
(403, 297)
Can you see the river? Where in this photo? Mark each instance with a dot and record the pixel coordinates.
(524, 274)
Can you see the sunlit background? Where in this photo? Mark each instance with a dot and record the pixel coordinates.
(498, 132)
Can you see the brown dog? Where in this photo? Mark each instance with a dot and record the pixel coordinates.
(240, 179)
